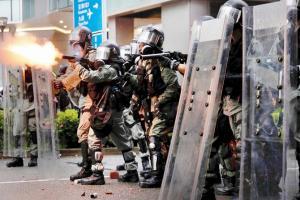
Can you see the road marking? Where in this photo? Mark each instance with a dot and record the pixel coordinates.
(38, 180)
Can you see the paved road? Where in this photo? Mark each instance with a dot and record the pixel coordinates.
(50, 181)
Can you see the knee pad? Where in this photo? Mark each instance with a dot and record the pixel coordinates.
(154, 144)
(97, 167)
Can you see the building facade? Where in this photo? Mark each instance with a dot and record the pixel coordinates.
(175, 17)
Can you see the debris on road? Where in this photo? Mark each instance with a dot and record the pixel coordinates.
(94, 196)
(114, 175)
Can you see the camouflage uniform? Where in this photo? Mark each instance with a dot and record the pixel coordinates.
(229, 150)
(163, 92)
(119, 132)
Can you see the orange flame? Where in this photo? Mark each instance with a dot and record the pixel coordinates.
(27, 50)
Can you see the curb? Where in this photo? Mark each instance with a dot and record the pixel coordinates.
(77, 152)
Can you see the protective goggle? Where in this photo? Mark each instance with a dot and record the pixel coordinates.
(149, 37)
(103, 53)
(227, 11)
(74, 36)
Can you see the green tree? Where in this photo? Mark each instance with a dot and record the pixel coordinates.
(1, 128)
(67, 123)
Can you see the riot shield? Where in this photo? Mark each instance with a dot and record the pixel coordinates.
(193, 133)
(262, 136)
(45, 113)
(291, 120)
(14, 133)
(74, 96)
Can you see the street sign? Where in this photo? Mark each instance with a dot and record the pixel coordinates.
(97, 40)
(90, 13)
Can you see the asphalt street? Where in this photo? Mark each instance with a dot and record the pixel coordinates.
(50, 181)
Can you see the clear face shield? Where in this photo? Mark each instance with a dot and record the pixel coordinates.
(74, 36)
(103, 53)
(227, 11)
(76, 50)
(149, 37)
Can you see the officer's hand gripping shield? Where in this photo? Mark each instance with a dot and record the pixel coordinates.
(196, 118)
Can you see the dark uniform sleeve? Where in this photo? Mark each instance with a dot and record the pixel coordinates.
(104, 74)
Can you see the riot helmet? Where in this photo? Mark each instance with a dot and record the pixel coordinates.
(108, 51)
(232, 8)
(152, 36)
(206, 18)
(81, 35)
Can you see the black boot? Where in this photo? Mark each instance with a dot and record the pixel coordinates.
(86, 167)
(228, 186)
(145, 158)
(154, 181)
(130, 177)
(131, 166)
(156, 174)
(146, 172)
(84, 152)
(97, 177)
(120, 167)
(16, 162)
(33, 161)
(208, 194)
(83, 173)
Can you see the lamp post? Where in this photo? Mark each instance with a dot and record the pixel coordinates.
(3, 24)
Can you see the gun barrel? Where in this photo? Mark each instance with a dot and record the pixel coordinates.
(68, 57)
(156, 55)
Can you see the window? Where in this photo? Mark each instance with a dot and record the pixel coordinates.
(28, 9)
(59, 4)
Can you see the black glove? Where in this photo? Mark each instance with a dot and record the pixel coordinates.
(127, 76)
(168, 63)
(157, 112)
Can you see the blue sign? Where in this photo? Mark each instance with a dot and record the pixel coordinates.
(97, 40)
(88, 13)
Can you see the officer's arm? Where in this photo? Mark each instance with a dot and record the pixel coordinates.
(96, 76)
(132, 80)
(171, 92)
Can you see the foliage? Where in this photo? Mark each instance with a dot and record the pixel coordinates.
(1, 128)
(67, 123)
(1, 120)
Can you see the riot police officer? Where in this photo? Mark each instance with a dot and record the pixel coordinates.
(106, 113)
(160, 84)
(228, 128)
(80, 42)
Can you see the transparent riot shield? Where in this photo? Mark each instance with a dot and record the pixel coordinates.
(291, 120)
(45, 113)
(262, 135)
(193, 133)
(14, 133)
(74, 96)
